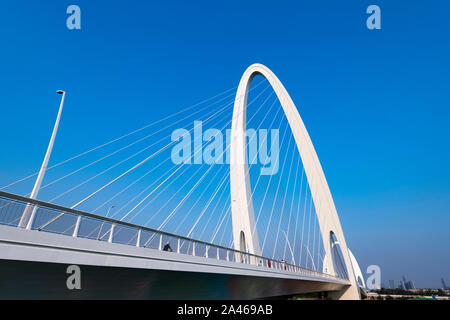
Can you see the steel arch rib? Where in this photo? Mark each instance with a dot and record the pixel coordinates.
(241, 202)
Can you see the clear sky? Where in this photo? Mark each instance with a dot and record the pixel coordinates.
(375, 102)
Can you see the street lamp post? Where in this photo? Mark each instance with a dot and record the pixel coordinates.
(30, 211)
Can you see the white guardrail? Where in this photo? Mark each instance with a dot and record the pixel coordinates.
(61, 220)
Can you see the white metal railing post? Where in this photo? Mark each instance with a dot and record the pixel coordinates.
(206, 251)
(228, 255)
(160, 242)
(77, 227)
(138, 240)
(178, 245)
(111, 233)
(218, 258)
(193, 248)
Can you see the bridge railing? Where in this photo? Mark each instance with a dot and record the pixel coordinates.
(58, 219)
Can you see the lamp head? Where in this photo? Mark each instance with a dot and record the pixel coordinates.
(60, 92)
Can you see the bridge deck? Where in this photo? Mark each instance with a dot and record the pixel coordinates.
(30, 260)
(35, 257)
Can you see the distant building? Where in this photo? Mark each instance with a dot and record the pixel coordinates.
(410, 285)
(444, 286)
(391, 284)
(407, 284)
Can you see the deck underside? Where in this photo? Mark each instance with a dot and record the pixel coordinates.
(37, 280)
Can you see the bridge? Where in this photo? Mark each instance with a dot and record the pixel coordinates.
(121, 259)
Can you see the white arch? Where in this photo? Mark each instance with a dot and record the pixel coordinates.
(241, 202)
(356, 269)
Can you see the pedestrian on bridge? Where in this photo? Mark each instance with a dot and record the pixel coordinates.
(167, 247)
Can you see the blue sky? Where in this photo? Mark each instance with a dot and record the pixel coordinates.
(375, 103)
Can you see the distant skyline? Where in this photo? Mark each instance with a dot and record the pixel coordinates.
(375, 102)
